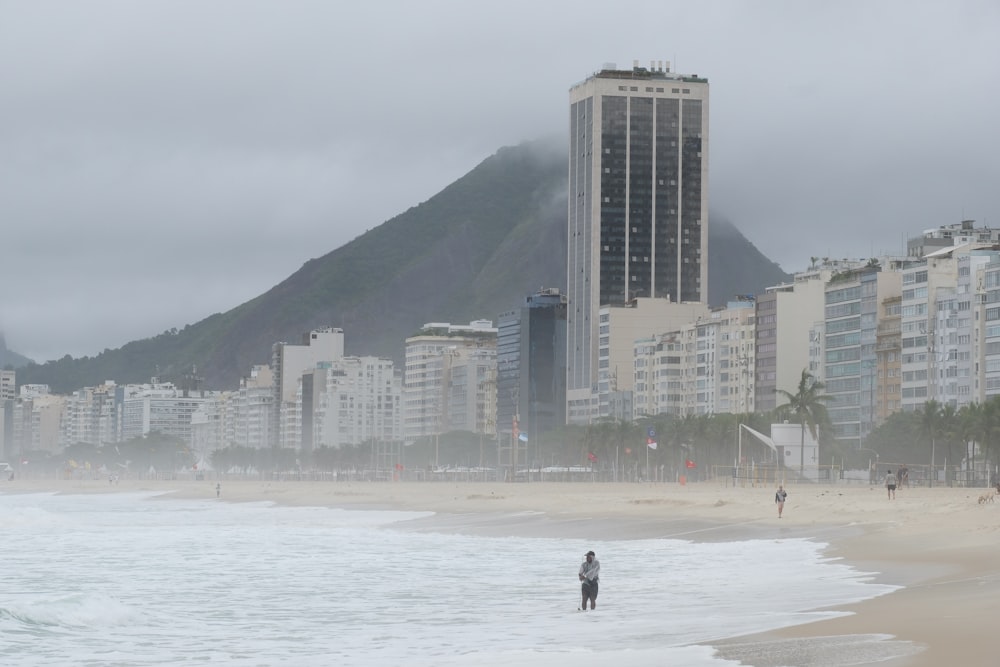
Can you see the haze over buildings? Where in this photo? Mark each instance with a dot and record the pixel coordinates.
(141, 141)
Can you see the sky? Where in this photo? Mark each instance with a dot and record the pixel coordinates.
(164, 160)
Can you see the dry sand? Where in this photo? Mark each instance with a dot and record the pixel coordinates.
(940, 545)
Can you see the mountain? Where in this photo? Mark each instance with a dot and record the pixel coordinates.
(471, 251)
(9, 358)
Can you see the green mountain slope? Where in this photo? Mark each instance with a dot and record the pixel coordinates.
(471, 251)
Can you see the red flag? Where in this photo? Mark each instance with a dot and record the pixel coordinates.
(690, 464)
(591, 456)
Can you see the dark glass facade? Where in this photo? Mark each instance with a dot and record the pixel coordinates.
(531, 365)
(637, 211)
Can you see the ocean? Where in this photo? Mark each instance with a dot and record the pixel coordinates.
(123, 579)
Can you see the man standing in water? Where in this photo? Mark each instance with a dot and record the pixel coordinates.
(589, 571)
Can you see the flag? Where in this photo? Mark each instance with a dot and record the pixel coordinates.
(690, 464)
(592, 456)
(523, 437)
(651, 443)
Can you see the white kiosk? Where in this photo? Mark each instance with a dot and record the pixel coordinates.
(794, 452)
(787, 443)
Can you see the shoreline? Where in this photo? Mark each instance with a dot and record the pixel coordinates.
(940, 545)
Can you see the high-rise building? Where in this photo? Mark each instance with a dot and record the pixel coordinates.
(638, 204)
(531, 365)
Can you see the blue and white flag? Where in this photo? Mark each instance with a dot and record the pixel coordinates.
(523, 437)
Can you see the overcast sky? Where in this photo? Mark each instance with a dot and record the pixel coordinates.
(161, 161)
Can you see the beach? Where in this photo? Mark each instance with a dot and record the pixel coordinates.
(939, 544)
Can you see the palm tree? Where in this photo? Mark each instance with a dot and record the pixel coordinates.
(932, 423)
(808, 405)
(969, 419)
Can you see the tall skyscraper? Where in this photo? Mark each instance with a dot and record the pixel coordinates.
(638, 204)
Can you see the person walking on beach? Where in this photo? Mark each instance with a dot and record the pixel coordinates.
(589, 574)
(779, 498)
(890, 485)
(218, 489)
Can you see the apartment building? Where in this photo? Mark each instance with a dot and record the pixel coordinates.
(888, 356)
(703, 367)
(351, 401)
(159, 407)
(987, 332)
(788, 317)
(850, 361)
(450, 379)
(92, 415)
(288, 363)
(619, 330)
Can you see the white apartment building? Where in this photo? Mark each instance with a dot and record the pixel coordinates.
(987, 332)
(251, 409)
(450, 379)
(209, 422)
(786, 316)
(923, 283)
(704, 367)
(36, 420)
(735, 356)
(159, 407)
(351, 401)
(288, 363)
(659, 375)
(239, 418)
(953, 375)
(619, 329)
(91, 416)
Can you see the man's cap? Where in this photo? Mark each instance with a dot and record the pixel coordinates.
(590, 553)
